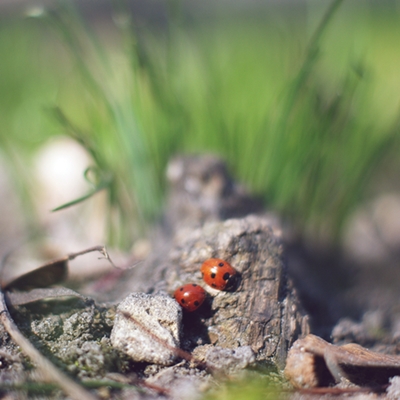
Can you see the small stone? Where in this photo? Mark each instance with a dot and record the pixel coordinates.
(181, 383)
(152, 317)
(230, 361)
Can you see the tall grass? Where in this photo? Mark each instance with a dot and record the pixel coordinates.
(297, 130)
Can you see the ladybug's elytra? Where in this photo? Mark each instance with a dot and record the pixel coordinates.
(190, 296)
(219, 274)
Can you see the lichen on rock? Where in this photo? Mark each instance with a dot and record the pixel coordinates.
(73, 333)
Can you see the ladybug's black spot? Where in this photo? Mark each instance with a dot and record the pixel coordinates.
(183, 301)
(221, 264)
(194, 284)
(232, 282)
(181, 289)
(196, 303)
(213, 285)
(226, 276)
(212, 275)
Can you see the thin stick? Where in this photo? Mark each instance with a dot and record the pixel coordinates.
(100, 249)
(103, 251)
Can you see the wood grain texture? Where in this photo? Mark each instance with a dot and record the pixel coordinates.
(264, 311)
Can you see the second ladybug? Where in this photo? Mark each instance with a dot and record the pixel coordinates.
(190, 296)
(219, 274)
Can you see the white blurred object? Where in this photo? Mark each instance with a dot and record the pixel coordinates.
(59, 168)
(59, 174)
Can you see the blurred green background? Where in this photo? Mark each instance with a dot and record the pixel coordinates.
(300, 98)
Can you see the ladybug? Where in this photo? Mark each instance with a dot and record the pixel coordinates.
(219, 274)
(190, 296)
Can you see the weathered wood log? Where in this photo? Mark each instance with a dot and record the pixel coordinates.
(264, 311)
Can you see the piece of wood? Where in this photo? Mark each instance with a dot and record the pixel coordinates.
(264, 311)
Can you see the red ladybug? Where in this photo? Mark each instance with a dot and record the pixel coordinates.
(219, 274)
(190, 296)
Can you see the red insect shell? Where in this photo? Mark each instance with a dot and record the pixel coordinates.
(190, 296)
(219, 274)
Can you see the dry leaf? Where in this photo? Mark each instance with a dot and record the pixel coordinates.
(49, 274)
(313, 362)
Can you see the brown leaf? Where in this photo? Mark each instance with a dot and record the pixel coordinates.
(48, 274)
(52, 272)
(313, 362)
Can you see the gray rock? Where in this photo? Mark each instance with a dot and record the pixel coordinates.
(181, 383)
(229, 361)
(152, 316)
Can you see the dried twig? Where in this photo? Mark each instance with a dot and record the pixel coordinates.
(100, 249)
